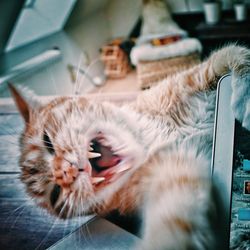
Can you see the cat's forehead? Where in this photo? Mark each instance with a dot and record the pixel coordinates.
(66, 104)
(69, 117)
(62, 107)
(62, 111)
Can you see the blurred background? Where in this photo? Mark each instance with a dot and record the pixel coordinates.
(58, 47)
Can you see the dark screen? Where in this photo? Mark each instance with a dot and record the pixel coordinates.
(240, 203)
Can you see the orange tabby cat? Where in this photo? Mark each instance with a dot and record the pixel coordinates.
(152, 156)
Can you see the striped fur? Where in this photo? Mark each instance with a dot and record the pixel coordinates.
(165, 137)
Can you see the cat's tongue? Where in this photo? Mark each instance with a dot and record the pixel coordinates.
(105, 162)
(107, 167)
(107, 159)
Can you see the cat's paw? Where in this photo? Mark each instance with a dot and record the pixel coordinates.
(241, 99)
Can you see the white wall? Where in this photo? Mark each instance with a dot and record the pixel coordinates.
(86, 31)
(122, 16)
(40, 19)
(88, 25)
(91, 33)
(90, 30)
(53, 79)
(92, 24)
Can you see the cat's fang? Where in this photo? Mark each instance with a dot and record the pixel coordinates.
(92, 155)
(123, 168)
(96, 180)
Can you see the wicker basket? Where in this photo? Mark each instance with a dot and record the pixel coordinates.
(151, 72)
(115, 60)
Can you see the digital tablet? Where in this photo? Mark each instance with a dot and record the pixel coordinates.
(231, 172)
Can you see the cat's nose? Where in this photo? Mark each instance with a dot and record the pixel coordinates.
(65, 174)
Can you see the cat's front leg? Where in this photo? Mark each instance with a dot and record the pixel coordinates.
(234, 59)
(173, 96)
(240, 100)
(178, 206)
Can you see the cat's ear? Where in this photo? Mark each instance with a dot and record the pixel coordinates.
(25, 100)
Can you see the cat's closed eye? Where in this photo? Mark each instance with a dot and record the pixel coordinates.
(48, 144)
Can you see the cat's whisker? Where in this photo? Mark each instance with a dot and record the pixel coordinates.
(84, 74)
(88, 232)
(53, 225)
(65, 226)
(15, 210)
(85, 225)
(48, 233)
(52, 78)
(75, 89)
(70, 210)
(80, 233)
(17, 218)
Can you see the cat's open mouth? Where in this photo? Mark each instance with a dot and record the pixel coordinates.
(106, 162)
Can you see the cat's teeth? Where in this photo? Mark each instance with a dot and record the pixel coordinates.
(104, 142)
(90, 148)
(92, 155)
(123, 168)
(96, 180)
